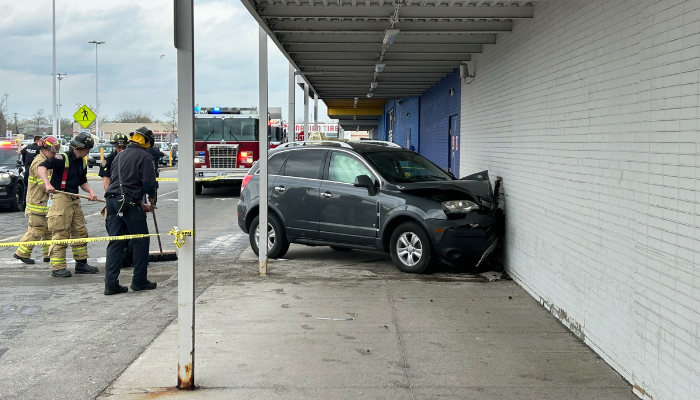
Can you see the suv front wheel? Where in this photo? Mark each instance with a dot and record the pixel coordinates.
(411, 249)
(277, 243)
(18, 201)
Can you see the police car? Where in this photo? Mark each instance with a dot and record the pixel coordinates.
(12, 185)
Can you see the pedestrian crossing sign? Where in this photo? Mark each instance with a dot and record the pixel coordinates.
(84, 116)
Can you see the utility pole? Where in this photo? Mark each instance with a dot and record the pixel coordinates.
(16, 128)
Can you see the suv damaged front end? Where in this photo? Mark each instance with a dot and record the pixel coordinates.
(470, 225)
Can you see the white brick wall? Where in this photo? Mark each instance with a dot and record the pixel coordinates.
(590, 113)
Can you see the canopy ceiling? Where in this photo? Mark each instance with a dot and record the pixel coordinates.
(376, 49)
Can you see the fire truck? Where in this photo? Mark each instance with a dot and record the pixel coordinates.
(226, 143)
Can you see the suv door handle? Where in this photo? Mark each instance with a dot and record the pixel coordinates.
(327, 195)
(280, 189)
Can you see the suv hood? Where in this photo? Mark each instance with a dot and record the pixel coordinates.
(476, 189)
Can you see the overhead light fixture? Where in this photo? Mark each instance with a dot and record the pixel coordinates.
(373, 84)
(379, 67)
(389, 36)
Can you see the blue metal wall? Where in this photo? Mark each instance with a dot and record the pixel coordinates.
(380, 133)
(436, 107)
(406, 126)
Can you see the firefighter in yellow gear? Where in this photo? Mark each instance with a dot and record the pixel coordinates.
(65, 217)
(37, 207)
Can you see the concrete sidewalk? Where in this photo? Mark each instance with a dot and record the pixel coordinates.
(348, 325)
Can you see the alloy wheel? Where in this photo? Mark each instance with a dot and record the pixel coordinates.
(270, 236)
(409, 248)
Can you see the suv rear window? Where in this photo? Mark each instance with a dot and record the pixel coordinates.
(275, 163)
(304, 164)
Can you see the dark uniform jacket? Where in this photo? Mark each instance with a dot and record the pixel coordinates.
(138, 174)
(28, 154)
(77, 171)
(106, 165)
(156, 154)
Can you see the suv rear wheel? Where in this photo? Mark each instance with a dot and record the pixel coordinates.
(411, 249)
(277, 243)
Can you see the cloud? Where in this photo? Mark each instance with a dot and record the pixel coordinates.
(132, 73)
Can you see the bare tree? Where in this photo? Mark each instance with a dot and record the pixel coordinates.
(134, 116)
(4, 118)
(40, 122)
(171, 116)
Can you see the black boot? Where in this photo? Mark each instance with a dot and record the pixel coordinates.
(117, 290)
(82, 267)
(146, 286)
(23, 259)
(61, 273)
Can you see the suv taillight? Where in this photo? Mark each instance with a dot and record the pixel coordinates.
(246, 179)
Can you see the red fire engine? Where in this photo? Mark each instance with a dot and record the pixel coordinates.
(226, 143)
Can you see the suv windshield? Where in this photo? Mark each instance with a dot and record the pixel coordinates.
(8, 155)
(406, 167)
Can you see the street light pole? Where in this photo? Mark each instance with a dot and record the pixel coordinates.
(60, 78)
(53, 70)
(97, 100)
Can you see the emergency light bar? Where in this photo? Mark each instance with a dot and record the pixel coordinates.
(226, 110)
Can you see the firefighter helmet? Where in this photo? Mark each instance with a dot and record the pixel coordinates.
(120, 139)
(50, 143)
(146, 133)
(82, 141)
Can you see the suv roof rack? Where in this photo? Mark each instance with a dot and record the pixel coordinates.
(379, 142)
(316, 142)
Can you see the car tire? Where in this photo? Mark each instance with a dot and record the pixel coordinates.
(280, 244)
(198, 189)
(336, 248)
(411, 248)
(18, 202)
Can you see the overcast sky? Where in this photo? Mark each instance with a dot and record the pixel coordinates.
(137, 64)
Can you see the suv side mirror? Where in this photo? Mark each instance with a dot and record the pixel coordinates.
(366, 182)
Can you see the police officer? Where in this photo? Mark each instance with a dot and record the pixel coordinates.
(133, 176)
(37, 207)
(155, 152)
(119, 141)
(27, 154)
(65, 217)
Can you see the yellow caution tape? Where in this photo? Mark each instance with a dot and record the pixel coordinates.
(81, 240)
(158, 179)
(180, 235)
(215, 178)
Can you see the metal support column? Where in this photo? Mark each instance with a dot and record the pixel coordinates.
(316, 128)
(306, 111)
(291, 120)
(184, 43)
(264, 146)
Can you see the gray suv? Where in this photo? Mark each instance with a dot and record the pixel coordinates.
(373, 195)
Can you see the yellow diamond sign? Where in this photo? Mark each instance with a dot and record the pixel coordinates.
(84, 116)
